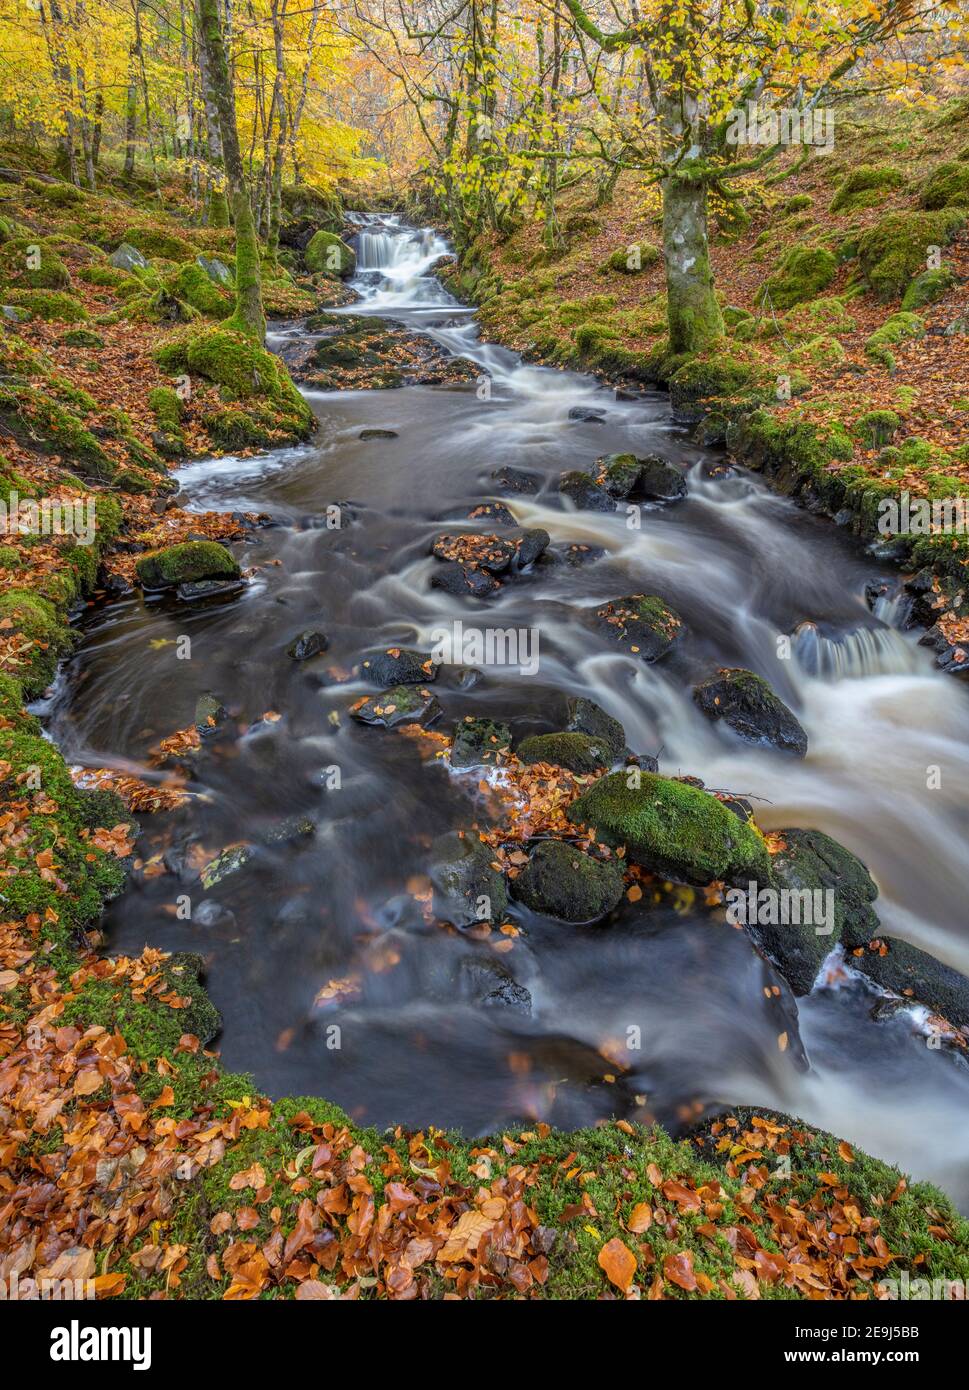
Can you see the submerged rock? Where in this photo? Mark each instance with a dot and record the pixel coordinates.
(209, 712)
(829, 893)
(377, 434)
(208, 588)
(401, 704)
(489, 985)
(586, 717)
(307, 645)
(479, 742)
(672, 828)
(585, 492)
(641, 623)
(587, 415)
(920, 978)
(494, 512)
(578, 752)
(751, 708)
(230, 861)
(398, 666)
(518, 480)
(290, 831)
(467, 886)
(564, 882)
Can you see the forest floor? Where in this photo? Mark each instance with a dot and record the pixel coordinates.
(128, 1156)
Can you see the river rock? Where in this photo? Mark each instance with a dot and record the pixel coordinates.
(307, 645)
(185, 563)
(377, 434)
(398, 666)
(401, 704)
(495, 513)
(672, 828)
(490, 985)
(530, 546)
(229, 862)
(519, 480)
(581, 753)
(209, 712)
(479, 743)
(491, 553)
(290, 831)
(467, 886)
(642, 624)
(586, 717)
(564, 882)
(586, 415)
(464, 579)
(897, 966)
(584, 492)
(751, 708)
(659, 480)
(577, 554)
(207, 588)
(811, 862)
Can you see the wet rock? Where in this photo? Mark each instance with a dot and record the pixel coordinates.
(618, 474)
(479, 742)
(208, 588)
(209, 712)
(578, 555)
(464, 579)
(586, 717)
(210, 913)
(401, 704)
(564, 882)
(711, 432)
(916, 976)
(929, 601)
(467, 886)
(398, 666)
(518, 480)
(660, 480)
(585, 493)
(642, 624)
(877, 589)
(487, 983)
(290, 831)
(496, 513)
(581, 753)
(530, 546)
(490, 553)
(825, 884)
(186, 563)
(127, 258)
(377, 434)
(229, 862)
(587, 415)
(750, 707)
(307, 645)
(672, 828)
(951, 655)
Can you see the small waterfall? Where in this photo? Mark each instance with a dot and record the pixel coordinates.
(866, 651)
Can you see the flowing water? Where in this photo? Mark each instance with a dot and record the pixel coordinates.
(740, 564)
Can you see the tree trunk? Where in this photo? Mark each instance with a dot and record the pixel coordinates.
(249, 316)
(693, 313)
(217, 209)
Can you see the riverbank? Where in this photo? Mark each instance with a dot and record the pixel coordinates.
(134, 1159)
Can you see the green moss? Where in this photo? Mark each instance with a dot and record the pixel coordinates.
(632, 259)
(672, 828)
(31, 264)
(928, 287)
(191, 285)
(896, 329)
(798, 203)
(9, 557)
(158, 241)
(166, 406)
(83, 338)
(819, 352)
(184, 563)
(247, 372)
(817, 316)
(54, 306)
(235, 429)
(35, 418)
(947, 187)
(326, 253)
(36, 620)
(578, 752)
(897, 247)
(702, 379)
(803, 273)
(877, 428)
(105, 275)
(866, 186)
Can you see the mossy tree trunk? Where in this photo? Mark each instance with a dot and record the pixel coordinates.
(217, 205)
(249, 316)
(693, 314)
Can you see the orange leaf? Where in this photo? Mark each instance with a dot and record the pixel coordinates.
(618, 1262)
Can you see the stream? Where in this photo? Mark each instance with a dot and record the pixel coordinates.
(741, 565)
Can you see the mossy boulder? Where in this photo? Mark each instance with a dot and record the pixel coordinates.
(877, 428)
(83, 338)
(191, 285)
(748, 705)
(810, 862)
(247, 373)
(326, 253)
(158, 241)
(803, 273)
(401, 704)
(896, 329)
(947, 186)
(581, 753)
(232, 430)
(638, 256)
(33, 416)
(703, 379)
(817, 353)
(897, 247)
(468, 888)
(672, 828)
(641, 624)
(185, 563)
(866, 186)
(585, 493)
(563, 882)
(928, 287)
(53, 306)
(915, 975)
(47, 638)
(31, 264)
